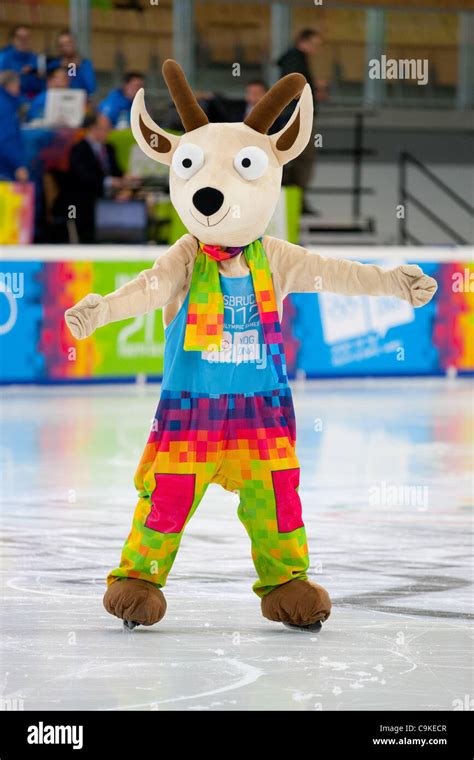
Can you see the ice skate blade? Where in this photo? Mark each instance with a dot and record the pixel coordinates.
(130, 624)
(313, 627)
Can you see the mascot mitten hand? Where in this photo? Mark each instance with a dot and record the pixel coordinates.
(87, 315)
(413, 285)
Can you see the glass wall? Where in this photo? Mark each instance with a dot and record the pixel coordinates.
(430, 39)
(140, 34)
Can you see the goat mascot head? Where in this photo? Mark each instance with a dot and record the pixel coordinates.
(225, 179)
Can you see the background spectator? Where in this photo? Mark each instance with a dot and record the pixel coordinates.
(254, 91)
(93, 173)
(19, 57)
(118, 103)
(238, 110)
(296, 60)
(58, 79)
(81, 74)
(12, 163)
(221, 109)
(215, 106)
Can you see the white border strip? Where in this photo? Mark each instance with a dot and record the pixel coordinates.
(152, 252)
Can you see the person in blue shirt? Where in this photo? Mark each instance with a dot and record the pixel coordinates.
(57, 78)
(19, 57)
(80, 70)
(12, 159)
(118, 103)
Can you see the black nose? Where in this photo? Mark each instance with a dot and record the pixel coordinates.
(208, 200)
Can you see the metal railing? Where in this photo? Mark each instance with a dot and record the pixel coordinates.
(356, 153)
(405, 197)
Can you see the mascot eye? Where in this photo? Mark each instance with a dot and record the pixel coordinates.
(187, 160)
(251, 162)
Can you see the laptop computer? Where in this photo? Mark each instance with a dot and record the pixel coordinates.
(64, 107)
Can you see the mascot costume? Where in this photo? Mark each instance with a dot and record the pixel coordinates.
(225, 413)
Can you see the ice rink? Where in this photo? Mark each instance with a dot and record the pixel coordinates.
(387, 496)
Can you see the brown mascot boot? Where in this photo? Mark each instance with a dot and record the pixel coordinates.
(135, 601)
(297, 604)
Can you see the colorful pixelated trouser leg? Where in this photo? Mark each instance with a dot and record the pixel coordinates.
(245, 443)
(177, 465)
(260, 454)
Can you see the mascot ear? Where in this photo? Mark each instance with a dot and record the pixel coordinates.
(152, 139)
(290, 141)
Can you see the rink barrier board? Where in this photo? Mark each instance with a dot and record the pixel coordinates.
(325, 335)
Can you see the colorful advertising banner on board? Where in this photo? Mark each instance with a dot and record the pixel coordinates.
(16, 213)
(326, 335)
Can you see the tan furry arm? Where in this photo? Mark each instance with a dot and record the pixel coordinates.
(152, 289)
(300, 271)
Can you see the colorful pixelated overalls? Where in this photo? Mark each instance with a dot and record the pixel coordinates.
(225, 416)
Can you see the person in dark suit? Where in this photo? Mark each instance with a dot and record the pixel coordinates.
(93, 173)
(237, 110)
(296, 60)
(221, 109)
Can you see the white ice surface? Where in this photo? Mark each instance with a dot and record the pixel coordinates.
(400, 576)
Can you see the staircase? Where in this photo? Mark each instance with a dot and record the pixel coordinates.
(408, 201)
(354, 229)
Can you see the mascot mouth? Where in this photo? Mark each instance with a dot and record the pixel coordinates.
(207, 219)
